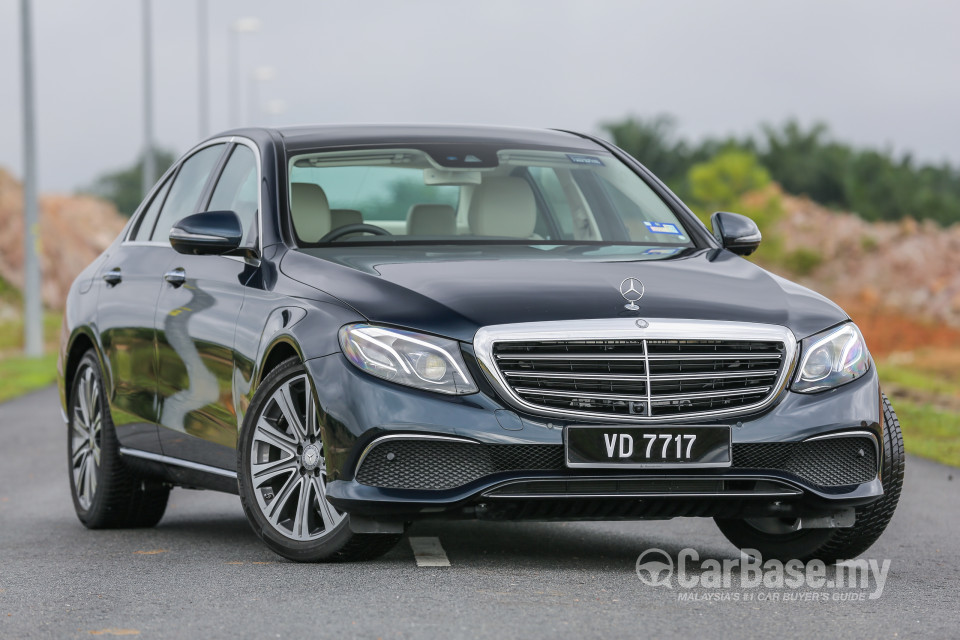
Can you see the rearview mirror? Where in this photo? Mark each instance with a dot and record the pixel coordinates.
(735, 232)
(209, 233)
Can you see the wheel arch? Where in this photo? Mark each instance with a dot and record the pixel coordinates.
(289, 330)
(304, 332)
(80, 342)
(279, 350)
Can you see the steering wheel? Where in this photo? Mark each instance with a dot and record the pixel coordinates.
(347, 229)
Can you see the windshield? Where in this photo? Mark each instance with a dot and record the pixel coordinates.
(516, 196)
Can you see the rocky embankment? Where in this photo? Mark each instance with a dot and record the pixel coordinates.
(906, 268)
(73, 231)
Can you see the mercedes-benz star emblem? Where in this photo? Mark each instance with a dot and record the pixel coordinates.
(632, 290)
(311, 456)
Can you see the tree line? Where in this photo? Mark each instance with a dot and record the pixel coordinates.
(877, 185)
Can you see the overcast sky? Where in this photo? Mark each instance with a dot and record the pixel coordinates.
(883, 73)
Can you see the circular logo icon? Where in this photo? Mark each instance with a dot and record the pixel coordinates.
(311, 456)
(655, 568)
(643, 324)
(632, 290)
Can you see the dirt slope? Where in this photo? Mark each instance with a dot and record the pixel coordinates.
(904, 268)
(73, 231)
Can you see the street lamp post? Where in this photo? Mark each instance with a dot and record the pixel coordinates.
(149, 160)
(260, 74)
(32, 301)
(203, 80)
(275, 108)
(243, 25)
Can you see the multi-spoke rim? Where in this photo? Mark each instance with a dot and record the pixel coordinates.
(85, 437)
(287, 465)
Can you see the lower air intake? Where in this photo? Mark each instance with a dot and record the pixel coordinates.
(439, 465)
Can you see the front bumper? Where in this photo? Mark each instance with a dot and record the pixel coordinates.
(359, 411)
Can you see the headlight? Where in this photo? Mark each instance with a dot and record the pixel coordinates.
(831, 359)
(405, 357)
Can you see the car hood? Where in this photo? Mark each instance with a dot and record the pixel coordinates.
(455, 293)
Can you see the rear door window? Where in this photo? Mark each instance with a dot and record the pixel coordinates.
(149, 218)
(184, 196)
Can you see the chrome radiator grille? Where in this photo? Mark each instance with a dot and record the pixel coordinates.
(642, 378)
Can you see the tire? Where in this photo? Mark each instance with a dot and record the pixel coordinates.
(282, 476)
(106, 494)
(833, 545)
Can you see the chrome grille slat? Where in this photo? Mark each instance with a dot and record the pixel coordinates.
(711, 356)
(580, 394)
(648, 378)
(559, 375)
(627, 398)
(638, 357)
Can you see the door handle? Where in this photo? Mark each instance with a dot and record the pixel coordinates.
(112, 277)
(176, 277)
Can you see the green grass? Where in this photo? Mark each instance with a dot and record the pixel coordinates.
(20, 375)
(915, 379)
(802, 261)
(11, 332)
(930, 432)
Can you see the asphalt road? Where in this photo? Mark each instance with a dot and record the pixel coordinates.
(202, 574)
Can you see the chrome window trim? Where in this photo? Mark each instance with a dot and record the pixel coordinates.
(208, 143)
(627, 329)
(196, 466)
(406, 436)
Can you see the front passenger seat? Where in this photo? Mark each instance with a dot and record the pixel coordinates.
(503, 207)
(431, 220)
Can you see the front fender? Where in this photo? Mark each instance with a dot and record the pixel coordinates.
(307, 328)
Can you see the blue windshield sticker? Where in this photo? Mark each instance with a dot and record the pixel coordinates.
(662, 227)
(590, 160)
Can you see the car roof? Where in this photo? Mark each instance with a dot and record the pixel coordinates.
(303, 137)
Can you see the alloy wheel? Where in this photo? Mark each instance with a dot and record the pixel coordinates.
(287, 466)
(85, 437)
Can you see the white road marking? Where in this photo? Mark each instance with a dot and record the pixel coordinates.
(428, 552)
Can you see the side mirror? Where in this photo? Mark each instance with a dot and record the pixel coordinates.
(735, 232)
(209, 233)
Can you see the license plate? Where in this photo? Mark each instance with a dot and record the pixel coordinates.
(641, 447)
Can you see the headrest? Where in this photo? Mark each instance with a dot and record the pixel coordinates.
(503, 207)
(431, 220)
(310, 211)
(343, 217)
